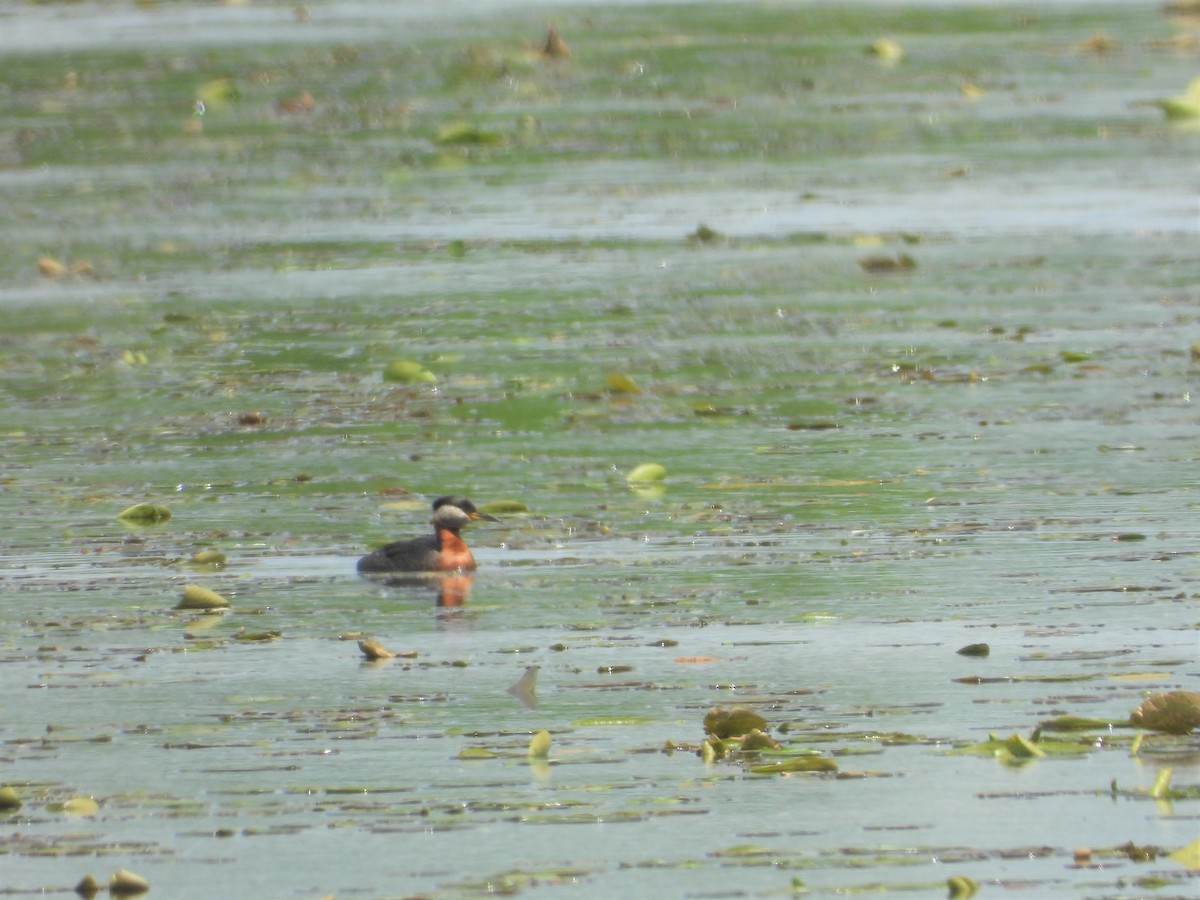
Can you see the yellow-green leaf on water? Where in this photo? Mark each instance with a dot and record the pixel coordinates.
(886, 50)
(407, 371)
(214, 94)
(477, 753)
(257, 637)
(755, 740)
(464, 133)
(208, 558)
(539, 747)
(1023, 748)
(622, 384)
(647, 472)
(1185, 106)
(197, 597)
(959, 887)
(9, 800)
(1188, 857)
(798, 764)
(81, 806)
(144, 514)
(604, 721)
(1075, 356)
(1162, 783)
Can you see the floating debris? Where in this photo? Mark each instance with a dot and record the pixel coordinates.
(9, 800)
(974, 650)
(208, 558)
(373, 650)
(48, 267)
(555, 47)
(726, 723)
(525, 688)
(1176, 712)
(886, 265)
(705, 235)
(144, 514)
(959, 887)
(126, 884)
(197, 597)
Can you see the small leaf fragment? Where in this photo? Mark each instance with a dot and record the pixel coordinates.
(1188, 857)
(886, 50)
(539, 747)
(407, 371)
(646, 472)
(81, 806)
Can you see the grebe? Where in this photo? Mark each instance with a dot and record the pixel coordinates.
(442, 551)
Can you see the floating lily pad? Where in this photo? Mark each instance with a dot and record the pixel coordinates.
(539, 747)
(886, 50)
(208, 558)
(144, 514)
(959, 887)
(622, 384)
(466, 134)
(647, 472)
(1184, 106)
(81, 806)
(9, 800)
(407, 371)
(127, 884)
(798, 764)
(197, 597)
(724, 723)
(1188, 857)
(974, 650)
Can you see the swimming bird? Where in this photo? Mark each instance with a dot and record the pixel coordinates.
(442, 551)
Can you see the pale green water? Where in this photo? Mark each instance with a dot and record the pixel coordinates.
(865, 472)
